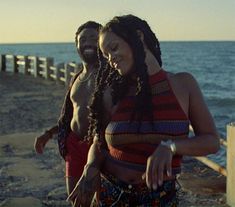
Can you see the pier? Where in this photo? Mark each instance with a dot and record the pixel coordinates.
(44, 67)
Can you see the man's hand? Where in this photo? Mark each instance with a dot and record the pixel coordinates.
(40, 142)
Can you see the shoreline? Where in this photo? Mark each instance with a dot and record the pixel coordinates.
(30, 105)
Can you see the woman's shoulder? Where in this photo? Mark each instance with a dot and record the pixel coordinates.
(182, 78)
(183, 82)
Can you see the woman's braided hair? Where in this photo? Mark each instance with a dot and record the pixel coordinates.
(126, 27)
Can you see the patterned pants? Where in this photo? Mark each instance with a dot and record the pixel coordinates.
(114, 192)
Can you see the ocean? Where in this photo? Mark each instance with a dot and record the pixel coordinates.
(212, 63)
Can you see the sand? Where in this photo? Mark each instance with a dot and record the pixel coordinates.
(28, 106)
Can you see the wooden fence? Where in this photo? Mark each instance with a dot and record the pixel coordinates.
(44, 67)
(39, 67)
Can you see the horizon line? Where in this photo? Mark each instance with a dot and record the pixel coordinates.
(66, 42)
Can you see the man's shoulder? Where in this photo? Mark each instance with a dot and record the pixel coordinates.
(76, 74)
(78, 69)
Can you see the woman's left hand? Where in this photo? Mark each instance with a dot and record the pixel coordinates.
(157, 164)
(86, 187)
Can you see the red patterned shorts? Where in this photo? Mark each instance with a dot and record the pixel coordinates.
(76, 156)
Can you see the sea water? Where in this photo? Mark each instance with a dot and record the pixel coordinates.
(212, 63)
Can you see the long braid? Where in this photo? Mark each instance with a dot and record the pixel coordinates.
(106, 76)
(96, 105)
(126, 27)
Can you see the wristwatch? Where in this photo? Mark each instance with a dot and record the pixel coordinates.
(169, 144)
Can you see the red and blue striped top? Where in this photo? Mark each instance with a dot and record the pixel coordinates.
(130, 147)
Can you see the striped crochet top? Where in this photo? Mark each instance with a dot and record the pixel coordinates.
(130, 147)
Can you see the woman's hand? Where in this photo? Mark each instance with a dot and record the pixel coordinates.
(41, 141)
(86, 187)
(157, 164)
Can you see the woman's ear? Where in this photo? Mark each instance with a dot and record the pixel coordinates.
(141, 35)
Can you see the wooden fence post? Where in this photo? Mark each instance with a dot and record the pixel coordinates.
(2, 63)
(58, 72)
(14, 64)
(49, 62)
(36, 66)
(23, 64)
(26, 65)
(67, 74)
(230, 187)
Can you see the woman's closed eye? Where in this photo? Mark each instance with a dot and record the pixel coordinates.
(114, 47)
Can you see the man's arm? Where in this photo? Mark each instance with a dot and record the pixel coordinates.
(41, 141)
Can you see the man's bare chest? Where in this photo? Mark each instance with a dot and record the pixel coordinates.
(82, 91)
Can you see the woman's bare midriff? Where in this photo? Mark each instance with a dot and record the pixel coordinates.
(125, 174)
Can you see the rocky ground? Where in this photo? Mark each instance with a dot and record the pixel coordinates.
(28, 105)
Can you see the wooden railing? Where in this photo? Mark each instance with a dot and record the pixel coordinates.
(39, 67)
(62, 73)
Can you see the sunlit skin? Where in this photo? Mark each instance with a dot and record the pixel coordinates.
(118, 53)
(87, 45)
(120, 57)
(82, 87)
(87, 48)
(189, 97)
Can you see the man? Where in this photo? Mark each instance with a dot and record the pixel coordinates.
(73, 123)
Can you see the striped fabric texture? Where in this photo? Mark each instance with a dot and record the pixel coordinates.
(130, 147)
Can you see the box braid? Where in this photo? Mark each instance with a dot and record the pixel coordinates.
(96, 105)
(106, 76)
(126, 27)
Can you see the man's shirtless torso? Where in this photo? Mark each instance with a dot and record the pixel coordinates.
(80, 96)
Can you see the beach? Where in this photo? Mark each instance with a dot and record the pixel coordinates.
(28, 106)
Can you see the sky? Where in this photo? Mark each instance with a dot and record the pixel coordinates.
(31, 21)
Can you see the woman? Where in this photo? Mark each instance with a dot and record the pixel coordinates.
(138, 151)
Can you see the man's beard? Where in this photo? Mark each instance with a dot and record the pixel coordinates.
(88, 58)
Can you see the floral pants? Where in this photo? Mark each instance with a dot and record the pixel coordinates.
(114, 192)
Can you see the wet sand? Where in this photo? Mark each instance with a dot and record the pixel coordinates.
(28, 106)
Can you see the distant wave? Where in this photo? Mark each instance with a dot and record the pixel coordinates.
(221, 101)
(214, 86)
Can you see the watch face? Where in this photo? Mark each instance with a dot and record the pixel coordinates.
(169, 144)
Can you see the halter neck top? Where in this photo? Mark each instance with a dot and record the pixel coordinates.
(130, 145)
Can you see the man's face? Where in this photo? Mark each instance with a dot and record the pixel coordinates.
(87, 45)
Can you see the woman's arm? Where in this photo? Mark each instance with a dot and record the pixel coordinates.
(205, 141)
(90, 180)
